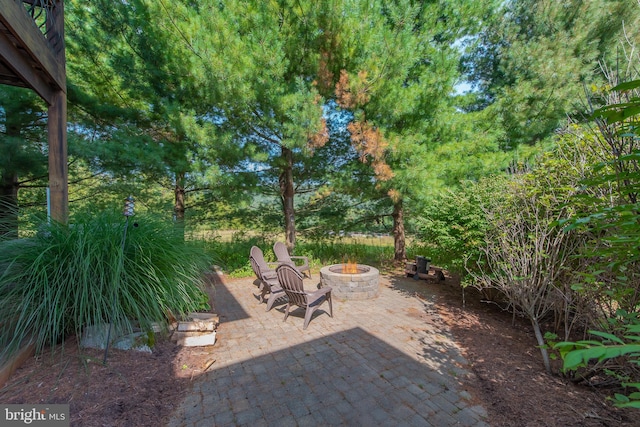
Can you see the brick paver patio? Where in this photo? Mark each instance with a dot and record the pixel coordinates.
(387, 361)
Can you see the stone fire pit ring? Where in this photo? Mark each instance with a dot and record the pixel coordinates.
(351, 286)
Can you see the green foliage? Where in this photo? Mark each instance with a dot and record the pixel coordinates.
(146, 117)
(336, 251)
(608, 207)
(233, 256)
(67, 277)
(533, 58)
(524, 252)
(614, 225)
(589, 356)
(452, 226)
(204, 97)
(23, 134)
(23, 146)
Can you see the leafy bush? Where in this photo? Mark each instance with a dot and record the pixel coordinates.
(613, 280)
(617, 355)
(452, 227)
(67, 277)
(614, 221)
(527, 255)
(233, 256)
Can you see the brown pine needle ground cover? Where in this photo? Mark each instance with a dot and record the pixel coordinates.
(141, 389)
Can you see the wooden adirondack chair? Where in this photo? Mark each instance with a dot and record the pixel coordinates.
(291, 281)
(267, 277)
(282, 254)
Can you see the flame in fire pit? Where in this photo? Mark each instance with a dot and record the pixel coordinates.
(350, 268)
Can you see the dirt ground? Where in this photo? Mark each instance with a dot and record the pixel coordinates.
(510, 380)
(140, 389)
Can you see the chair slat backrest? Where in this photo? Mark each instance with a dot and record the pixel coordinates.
(292, 283)
(258, 257)
(255, 267)
(282, 254)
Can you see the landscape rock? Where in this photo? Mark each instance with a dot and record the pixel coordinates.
(194, 339)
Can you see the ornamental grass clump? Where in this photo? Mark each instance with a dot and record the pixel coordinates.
(67, 277)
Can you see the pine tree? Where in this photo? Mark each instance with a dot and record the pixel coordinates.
(534, 60)
(24, 151)
(401, 96)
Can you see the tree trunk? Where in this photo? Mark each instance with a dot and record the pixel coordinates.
(286, 195)
(541, 344)
(9, 193)
(400, 253)
(179, 204)
(9, 206)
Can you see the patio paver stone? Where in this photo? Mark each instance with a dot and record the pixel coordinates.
(376, 362)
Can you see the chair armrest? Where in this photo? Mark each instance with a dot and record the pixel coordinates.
(273, 283)
(268, 274)
(304, 259)
(321, 291)
(316, 295)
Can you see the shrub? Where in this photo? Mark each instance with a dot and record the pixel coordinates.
(451, 229)
(526, 254)
(233, 256)
(69, 276)
(612, 280)
(611, 355)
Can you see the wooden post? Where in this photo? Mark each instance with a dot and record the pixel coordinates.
(37, 61)
(58, 168)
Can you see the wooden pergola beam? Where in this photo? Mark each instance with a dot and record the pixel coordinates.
(15, 17)
(22, 67)
(38, 62)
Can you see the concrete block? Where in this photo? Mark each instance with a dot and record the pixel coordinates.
(196, 325)
(194, 339)
(209, 317)
(203, 322)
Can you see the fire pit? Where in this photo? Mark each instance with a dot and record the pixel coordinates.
(351, 281)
